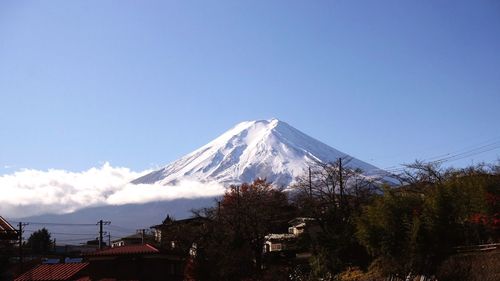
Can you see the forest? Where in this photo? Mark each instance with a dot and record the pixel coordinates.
(361, 228)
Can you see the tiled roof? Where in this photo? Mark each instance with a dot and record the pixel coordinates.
(279, 236)
(85, 278)
(136, 237)
(62, 271)
(300, 220)
(126, 250)
(6, 230)
(168, 223)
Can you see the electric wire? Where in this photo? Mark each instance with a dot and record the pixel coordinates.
(480, 148)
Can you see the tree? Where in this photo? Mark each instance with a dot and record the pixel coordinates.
(6, 252)
(252, 211)
(388, 227)
(332, 194)
(415, 227)
(39, 241)
(232, 248)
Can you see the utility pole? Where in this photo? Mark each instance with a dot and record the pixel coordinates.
(143, 233)
(101, 223)
(238, 194)
(21, 243)
(100, 234)
(109, 239)
(310, 183)
(341, 184)
(238, 227)
(21, 261)
(218, 209)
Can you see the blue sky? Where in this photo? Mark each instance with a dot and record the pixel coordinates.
(141, 83)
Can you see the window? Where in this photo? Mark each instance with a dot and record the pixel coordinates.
(276, 247)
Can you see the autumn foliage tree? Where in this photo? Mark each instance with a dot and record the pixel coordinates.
(233, 247)
(251, 211)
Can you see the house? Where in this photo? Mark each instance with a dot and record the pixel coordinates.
(56, 272)
(134, 262)
(134, 239)
(129, 262)
(276, 242)
(7, 231)
(298, 225)
(172, 232)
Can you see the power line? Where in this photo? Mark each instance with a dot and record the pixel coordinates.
(62, 233)
(57, 223)
(469, 151)
(77, 239)
(470, 147)
(118, 228)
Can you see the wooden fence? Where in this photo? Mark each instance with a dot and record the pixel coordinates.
(411, 278)
(477, 248)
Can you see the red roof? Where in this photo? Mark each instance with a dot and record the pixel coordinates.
(85, 278)
(61, 271)
(126, 250)
(6, 230)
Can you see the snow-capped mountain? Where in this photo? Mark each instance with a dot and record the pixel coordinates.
(269, 149)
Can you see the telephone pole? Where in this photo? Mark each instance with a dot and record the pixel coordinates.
(143, 233)
(21, 261)
(341, 183)
(101, 223)
(310, 183)
(218, 209)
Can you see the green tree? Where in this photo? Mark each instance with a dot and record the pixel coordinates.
(39, 241)
(390, 227)
(6, 252)
(417, 226)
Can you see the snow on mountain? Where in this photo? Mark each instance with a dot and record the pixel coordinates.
(269, 149)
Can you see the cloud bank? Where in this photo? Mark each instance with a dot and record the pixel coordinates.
(32, 192)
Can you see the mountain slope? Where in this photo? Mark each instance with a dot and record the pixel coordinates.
(269, 149)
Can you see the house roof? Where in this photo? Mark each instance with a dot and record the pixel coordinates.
(86, 278)
(7, 231)
(62, 271)
(280, 236)
(136, 236)
(300, 220)
(125, 250)
(299, 225)
(170, 222)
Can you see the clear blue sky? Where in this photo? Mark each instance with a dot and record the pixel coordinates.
(141, 83)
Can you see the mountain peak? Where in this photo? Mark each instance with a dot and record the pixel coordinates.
(270, 123)
(269, 149)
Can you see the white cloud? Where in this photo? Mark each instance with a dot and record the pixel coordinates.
(33, 192)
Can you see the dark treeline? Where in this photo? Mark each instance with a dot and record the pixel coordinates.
(359, 228)
(364, 229)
